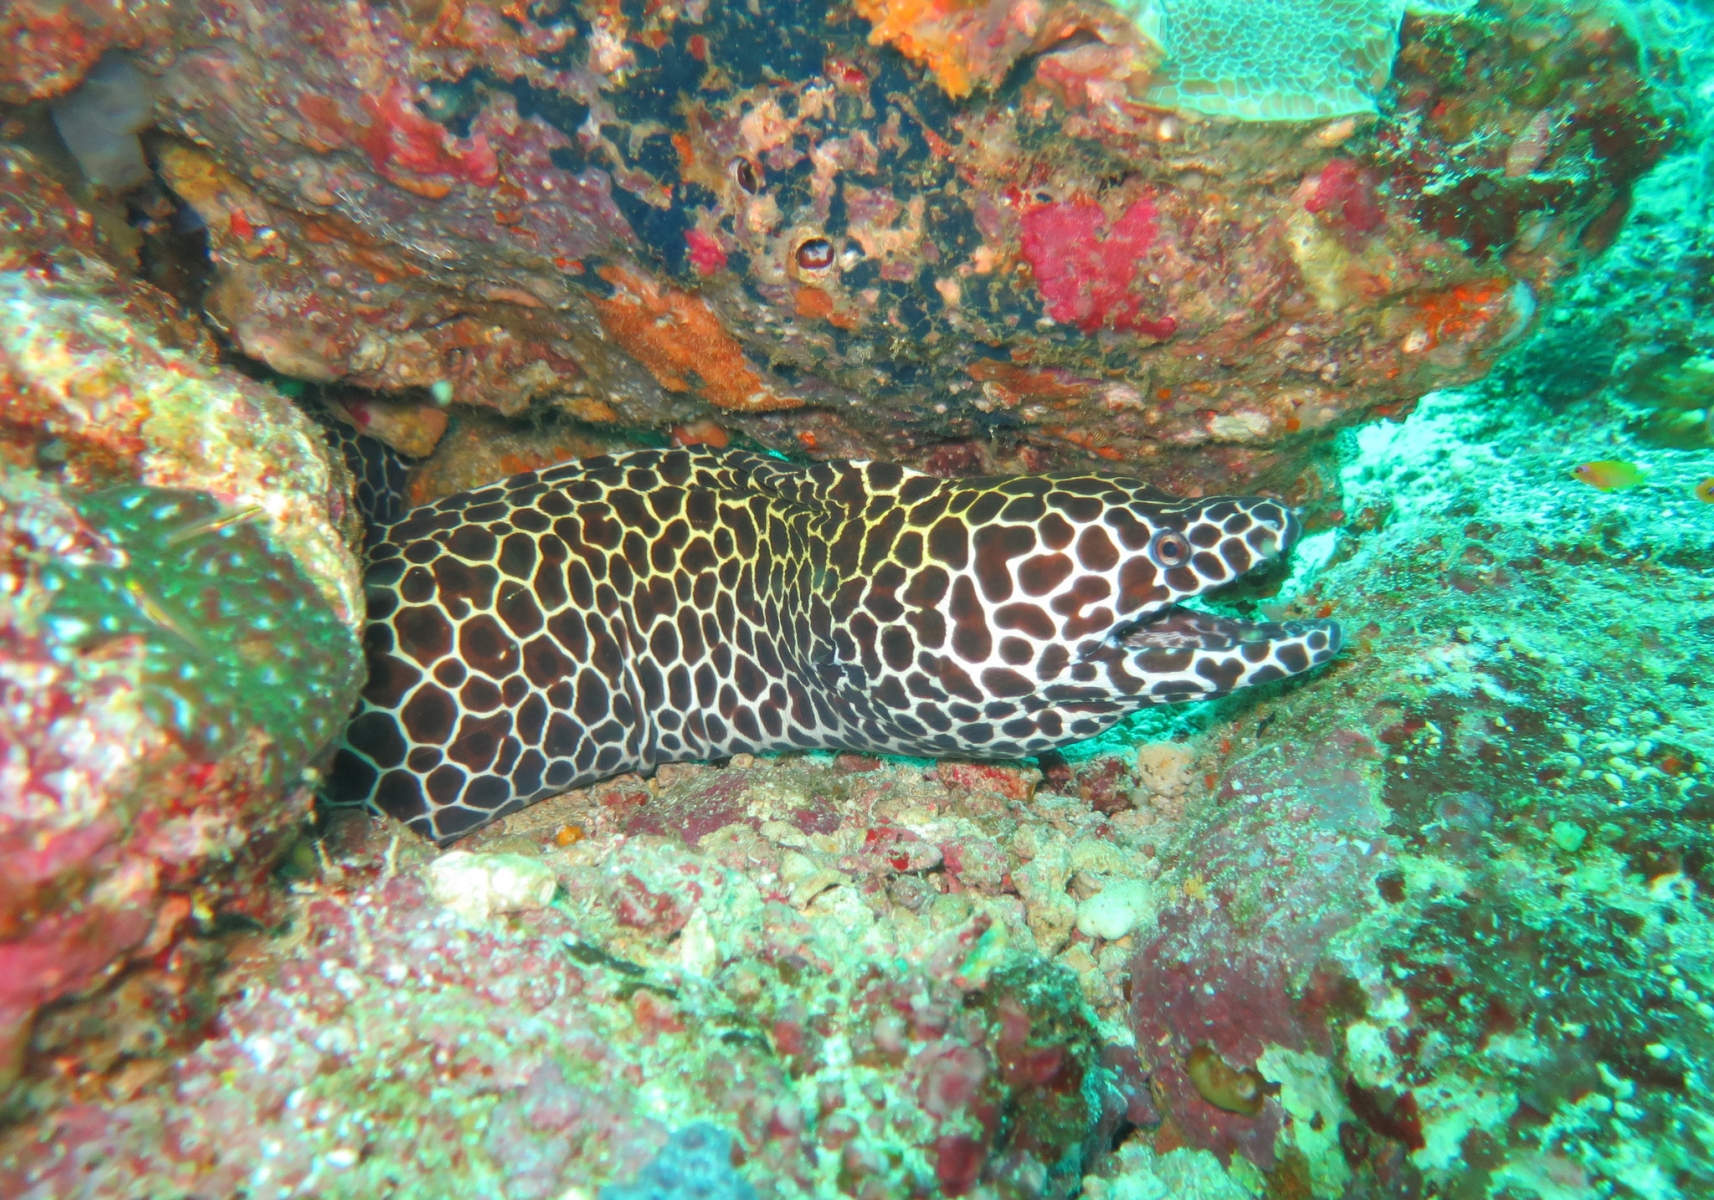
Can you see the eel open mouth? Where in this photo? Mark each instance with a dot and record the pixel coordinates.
(1187, 629)
(1185, 654)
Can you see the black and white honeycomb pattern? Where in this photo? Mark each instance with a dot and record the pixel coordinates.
(657, 606)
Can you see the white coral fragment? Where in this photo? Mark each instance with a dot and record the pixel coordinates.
(99, 123)
(479, 886)
(1117, 909)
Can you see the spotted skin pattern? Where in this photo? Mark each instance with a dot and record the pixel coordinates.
(380, 472)
(659, 606)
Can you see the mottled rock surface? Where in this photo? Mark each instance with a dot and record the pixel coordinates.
(806, 229)
(1453, 898)
(52, 44)
(178, 612)
(391, 1044)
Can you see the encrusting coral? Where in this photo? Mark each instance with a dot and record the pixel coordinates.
(232, 635)
(178, 615)
(776, 222)
(1275, 60)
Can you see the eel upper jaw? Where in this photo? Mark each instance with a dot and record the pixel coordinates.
(1184, 653)
(1165, 625)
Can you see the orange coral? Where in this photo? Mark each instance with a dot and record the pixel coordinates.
(1017, 382)
(677, 337)
(964, 42)
(411, 429)
(922, 32)
(813, 303)
(699, 433)
(1464, 309)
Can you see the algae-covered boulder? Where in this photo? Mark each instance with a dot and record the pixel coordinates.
(178, 632)
(1442, 908)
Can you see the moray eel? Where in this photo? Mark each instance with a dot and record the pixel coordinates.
(380, 473)
(660, 606)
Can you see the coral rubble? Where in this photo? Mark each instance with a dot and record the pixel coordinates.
(560, 1045)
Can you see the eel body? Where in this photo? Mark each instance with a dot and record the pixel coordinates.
(659, 606)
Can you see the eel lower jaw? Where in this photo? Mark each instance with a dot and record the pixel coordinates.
(1178, 628)
(1294, 645)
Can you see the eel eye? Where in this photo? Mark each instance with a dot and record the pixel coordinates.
(1169, 549)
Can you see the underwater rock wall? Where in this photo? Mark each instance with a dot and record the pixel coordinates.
(1435, 920)
(52, 44)
(767, 223)
(1454, 902)
(1641, 328)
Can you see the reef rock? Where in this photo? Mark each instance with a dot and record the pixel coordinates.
(1434, 921)
(391, 1042)
(1449, 904)
(178, 610)
(1403, 927)
(965, 237)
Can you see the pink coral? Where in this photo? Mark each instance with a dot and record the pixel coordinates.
(1086, 268)
(1346, 193)
(992, 778)
(705, 253)
(1289, 861)
(415, 152)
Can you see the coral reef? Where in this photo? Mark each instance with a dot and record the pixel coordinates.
(1641, 329)
(1478, 930)
(778, 221)
(1441, 913)
(178, 615)
(1458, 913)
(1434, 922)
(389, 1041)
(1271, 61)
(52, 44)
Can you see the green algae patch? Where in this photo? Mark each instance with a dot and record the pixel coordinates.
(235, 635)
(1272, 61)
(1276, 60)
